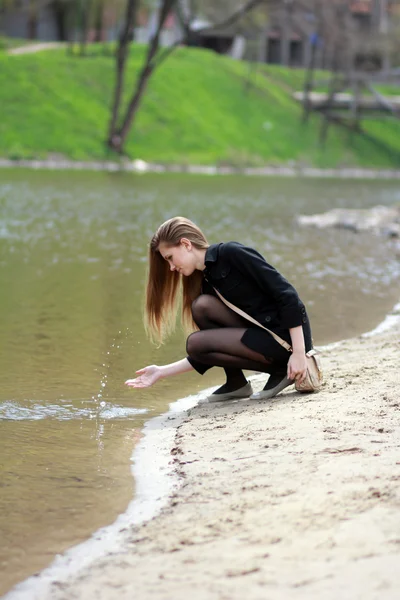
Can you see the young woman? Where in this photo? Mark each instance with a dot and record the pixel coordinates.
(179, 253)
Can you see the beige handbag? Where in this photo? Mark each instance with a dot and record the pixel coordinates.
(314, 378)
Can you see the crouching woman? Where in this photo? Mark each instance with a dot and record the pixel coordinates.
(180, 254)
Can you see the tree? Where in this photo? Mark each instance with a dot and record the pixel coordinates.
(120, 125)
(61, 11)
(71, 17)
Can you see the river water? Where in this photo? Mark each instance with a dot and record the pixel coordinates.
(72, 272)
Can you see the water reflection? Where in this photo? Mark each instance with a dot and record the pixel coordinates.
(72, 271)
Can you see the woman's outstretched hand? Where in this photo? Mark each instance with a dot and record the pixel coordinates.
(147, 376)
(297, 367)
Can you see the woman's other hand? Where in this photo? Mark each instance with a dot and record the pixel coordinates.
(297, 367)
(147, 377)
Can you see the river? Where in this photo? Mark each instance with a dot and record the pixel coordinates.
(72, 269)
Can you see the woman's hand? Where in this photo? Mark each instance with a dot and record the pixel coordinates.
(147, 377)
(297, 366)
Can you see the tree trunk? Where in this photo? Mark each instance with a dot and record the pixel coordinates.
(117, 138)
(86, 6)
(355, 105)
(99, 22)
(384, 31)
(309, 80)
(336, 86)
(122, 52)
(32, 24)
(285, 27)
(60, 11)
(263, 46)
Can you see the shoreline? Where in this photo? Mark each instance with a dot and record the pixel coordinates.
(140, 166)
(153, 464)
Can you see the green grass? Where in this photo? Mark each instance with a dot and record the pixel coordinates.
(199, 108)
(7, 43)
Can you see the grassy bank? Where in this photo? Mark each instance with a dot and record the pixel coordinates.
(199, 108)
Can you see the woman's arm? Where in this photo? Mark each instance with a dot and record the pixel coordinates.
(297, 365)
(149, 375)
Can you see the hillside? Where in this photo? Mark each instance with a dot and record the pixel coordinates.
(200, 108)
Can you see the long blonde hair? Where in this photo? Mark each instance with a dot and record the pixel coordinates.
(161, 304)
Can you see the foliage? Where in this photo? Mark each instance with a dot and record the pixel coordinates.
(199, 108)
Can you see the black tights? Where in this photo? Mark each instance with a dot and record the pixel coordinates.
(218, 343)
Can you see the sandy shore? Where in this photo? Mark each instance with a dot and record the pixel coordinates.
(297, 497)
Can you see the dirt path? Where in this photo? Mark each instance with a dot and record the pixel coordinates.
(31, 48)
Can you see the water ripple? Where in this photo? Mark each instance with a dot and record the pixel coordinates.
(12, 411)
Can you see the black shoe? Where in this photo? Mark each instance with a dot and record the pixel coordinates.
(275, 384)
(243, 392)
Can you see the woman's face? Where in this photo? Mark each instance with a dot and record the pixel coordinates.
(180, 258)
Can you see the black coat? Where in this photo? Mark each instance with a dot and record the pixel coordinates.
(244, 278)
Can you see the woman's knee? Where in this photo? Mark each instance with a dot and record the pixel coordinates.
(203, 309)
(196, 345)
(201, 305)
(192, 345)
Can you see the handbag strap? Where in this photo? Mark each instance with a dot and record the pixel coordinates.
(241, 312)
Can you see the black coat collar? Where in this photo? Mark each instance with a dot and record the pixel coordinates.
(212, 254)
(216, 266)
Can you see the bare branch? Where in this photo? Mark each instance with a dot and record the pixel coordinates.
(233, 18)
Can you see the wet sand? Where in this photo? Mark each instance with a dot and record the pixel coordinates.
(297, 497)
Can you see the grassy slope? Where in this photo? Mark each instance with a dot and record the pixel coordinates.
(198, 109)
(7, 43)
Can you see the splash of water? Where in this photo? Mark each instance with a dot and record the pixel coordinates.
(101, 405)
(98, 398)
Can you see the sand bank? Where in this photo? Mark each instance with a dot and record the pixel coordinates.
(298, 497)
